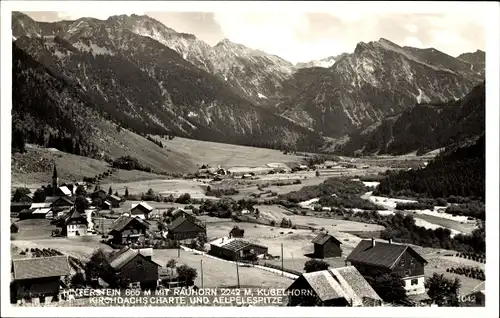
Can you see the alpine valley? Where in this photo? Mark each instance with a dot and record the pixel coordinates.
(78, 83)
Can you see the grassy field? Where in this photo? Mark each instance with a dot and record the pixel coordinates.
(34, 168)
(466, 228)
(277, 213)
(226, 155)
(80, 247)
(33, 229)
(219, 273)
(165, 187)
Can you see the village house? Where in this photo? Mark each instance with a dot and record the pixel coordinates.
(26, 198)
(63, 202)
(74, 224)
(371, 258)
(35, 211)
(334, 287)
(99, 193)
(106, 205)
(178, 212)
(128, 230)
(141, 210)
(326, 245)
(185, 227)
(114, 200)
(136, 267)
(38, 277)
(236, 249)
(17, 207)
(236, 232)
(14, 228)
(63, 191)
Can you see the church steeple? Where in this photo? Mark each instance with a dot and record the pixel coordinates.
(55, 180)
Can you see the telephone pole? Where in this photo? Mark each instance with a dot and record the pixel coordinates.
(201, 262)
(282, 265)
(238, 273)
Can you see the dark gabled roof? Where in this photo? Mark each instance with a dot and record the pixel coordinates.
(51, 199)
(322, 238)
(39, 267)
(70, 200)
(123, 221)
(236, 229)
(142, 206)
(74, 215)
(179, 221)
(125, 255)
(383, 254)
(114, 197)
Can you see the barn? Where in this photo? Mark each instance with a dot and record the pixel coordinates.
(183, 228)
(334, 287)
(38, 277)
(114, 200)
(236, 249)
(14, 228)
(63, 202)
(127, 230)
(141, 210)
(326, 245)
(236, 232)
(135, 267)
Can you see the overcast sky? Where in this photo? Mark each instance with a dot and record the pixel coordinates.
(301, 37)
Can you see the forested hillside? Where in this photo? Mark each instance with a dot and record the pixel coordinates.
(424, 127)
(458, 172)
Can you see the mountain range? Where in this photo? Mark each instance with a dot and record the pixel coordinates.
(135, 72)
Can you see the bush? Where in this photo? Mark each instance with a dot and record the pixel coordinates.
(184, 199)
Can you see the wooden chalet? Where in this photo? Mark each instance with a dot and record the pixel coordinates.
(38, 277)
(63, 191)
(26, 198)
(326, 245)
(236, 232)
(181, 213)
(100, 193)
(63, 201)
(128, 230)
(135, 267)
(75, 224)
(14, 228)
(334, 287)
(114, 200)
(141, 210)
(371, 258)
(183, 228)
(106, 205)
(235, 249)
(17, 207)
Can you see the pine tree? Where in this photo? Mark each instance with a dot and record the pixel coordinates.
(110, 191)
(116, 193)
(126, 192)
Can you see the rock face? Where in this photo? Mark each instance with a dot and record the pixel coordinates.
(477, 60)
(379, 79)
(425, 127)
(144, 85)
(325, 63)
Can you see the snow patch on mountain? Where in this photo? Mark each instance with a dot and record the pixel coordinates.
(261, 96)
